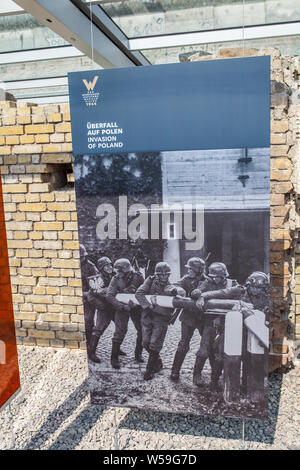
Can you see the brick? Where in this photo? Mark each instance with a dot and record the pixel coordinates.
(71, 245)
(55, 117)
(282, 188)
(36, 263)
(72, 344)
(70, 335)
(5, 150)
(279, 150)
(12, 140)
(41, 334)
(281, 163)
(29, 341)
(23, 119)
(2, 140)
(279, 126)
(43, 342)
(63, 127)
(48, 226)
(56, 317)
(23, 281)
(48, 217)
(277, 200)
(25, 315)
(39, 168)
(57, 343)
(22, 253)
(39, 207)
(62, 158)
(19, 244)
(11, 130)
(38, 118)
(9, 120)
(67, 147)
(4, 170)
(10, 160)
(47, 197)
(32, 197)
(21, 332)
(40, 188)
(42, 138)
(65, 263)
(277, 222)
(278, 139)
(24, 158)
(52, 148)
(56, 206)
(48, 245)
(281, 175)
(39, 129)
(17, 149)
(19, 225)
(280, 211)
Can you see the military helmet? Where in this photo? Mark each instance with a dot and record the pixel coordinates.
(123, 265)
(217, 269)
(196, 264)
(162, 268)
(102, 262)
(82, 250)
(258, 279)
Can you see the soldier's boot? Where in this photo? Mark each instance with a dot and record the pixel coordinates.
(158, 364)
(138, 352)
(115, 356)
(198, 367)
(92, 349)
(177, 363)
(149, 374)
(215, 375)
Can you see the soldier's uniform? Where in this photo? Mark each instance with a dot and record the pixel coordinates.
(88, 270)
(256, 292)
(128, 284)
(191, 318)
(104, 311)
(155, 319)
(212, 340)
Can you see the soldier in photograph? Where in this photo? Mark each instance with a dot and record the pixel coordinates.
(104, 312)
(126, 281)
(155, 319)
(212, 340)
(191, 318)
(256, 292)
(88, 270)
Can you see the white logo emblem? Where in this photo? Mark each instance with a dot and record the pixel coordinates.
(90, 97)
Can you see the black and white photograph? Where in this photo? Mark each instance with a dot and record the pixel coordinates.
(174, 251)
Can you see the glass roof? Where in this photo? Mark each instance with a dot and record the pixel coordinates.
(23, 32)
(35, 55)
(141, 18)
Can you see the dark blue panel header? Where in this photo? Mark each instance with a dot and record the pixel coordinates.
(197, 105)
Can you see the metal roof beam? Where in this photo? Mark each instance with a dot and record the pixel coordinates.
(221, 35)
(39, 54)
(67, 20)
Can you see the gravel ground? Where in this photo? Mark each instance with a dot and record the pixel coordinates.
(53, 411)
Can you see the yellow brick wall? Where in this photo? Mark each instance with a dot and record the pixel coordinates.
(41, 224)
